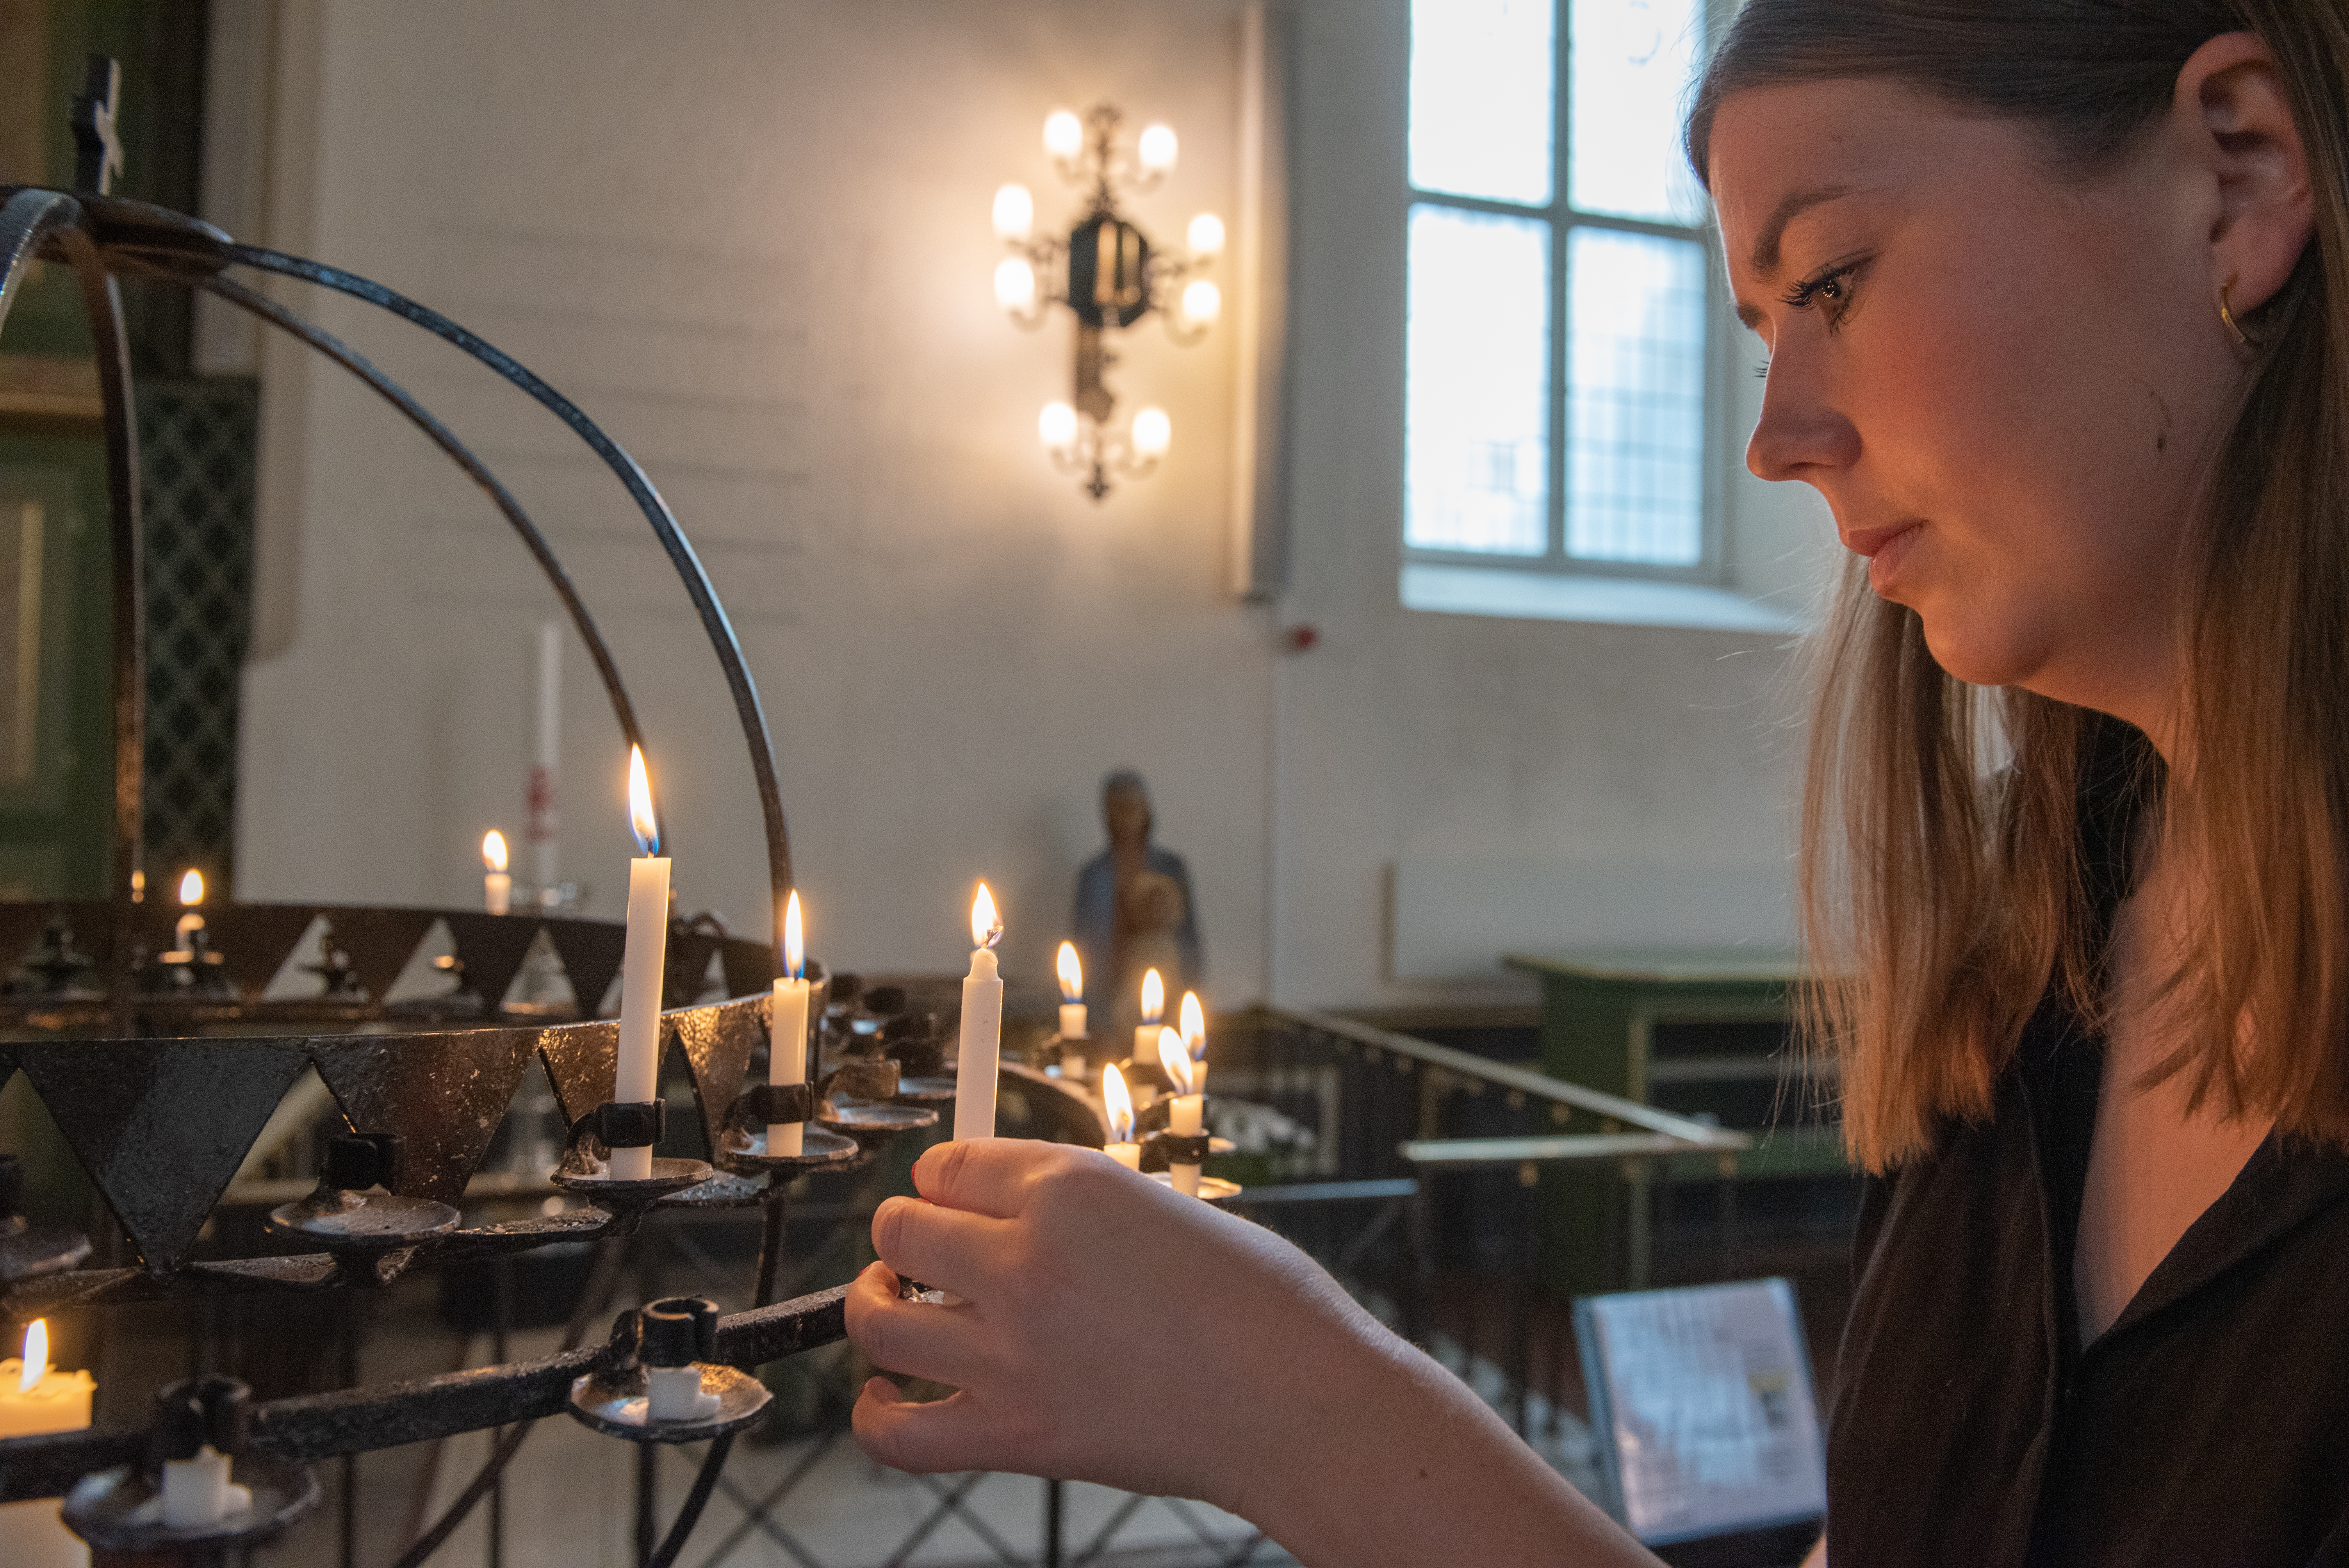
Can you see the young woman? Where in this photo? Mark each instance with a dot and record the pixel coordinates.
(2056, 297)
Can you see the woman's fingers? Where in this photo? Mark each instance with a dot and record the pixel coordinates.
(912, 1339)
(955, 1433)
(939, 1246)
(982, 1175)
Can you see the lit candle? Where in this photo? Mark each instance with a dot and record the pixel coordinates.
(545, 819)
(1153, 1009)
(637, 1079)
(1120, 1105)
(192, 893)
(1187, 1116)
(37, 1399)
(982, 1024)
(787, 1029)
(497, 888)
(1195, 1038)
(1072, 991)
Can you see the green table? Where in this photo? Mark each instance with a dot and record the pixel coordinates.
(1600, 1011)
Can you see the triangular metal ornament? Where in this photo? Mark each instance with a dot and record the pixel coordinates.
(751, 967)
(161, 1125)
(254, 939)
(591, 951)
(443, 1094)
(380, 942)
(718, 1042)
(493, 947)
(688, 956)
(582, 1061)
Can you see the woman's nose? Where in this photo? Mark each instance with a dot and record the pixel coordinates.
(1801, 435)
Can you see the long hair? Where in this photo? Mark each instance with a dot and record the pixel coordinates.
(1947, 877)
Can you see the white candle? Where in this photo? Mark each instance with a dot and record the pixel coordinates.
(198, 1491)
(1195, 1038)
(982, 1024)
(674, 1393)
(1187, 1116)
(497, 887)
(192, 893)
(544, 818)
(638, 1078)
(1153, 1009)
(787, 1029)
(1073, 987)
(37, 1399)
(1120, 1147)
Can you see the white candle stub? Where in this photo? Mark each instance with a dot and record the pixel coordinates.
(674, 1394)
(1072, 1008)
(1187, 1113)
(1120, 1107)
(1153, 1009)
(36, 1400)
(198, 1491)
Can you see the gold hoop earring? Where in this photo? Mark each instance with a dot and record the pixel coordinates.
(2242, 339)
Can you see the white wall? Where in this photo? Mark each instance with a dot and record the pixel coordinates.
(751, 239)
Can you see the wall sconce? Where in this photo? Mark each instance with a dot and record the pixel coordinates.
(1109, 275)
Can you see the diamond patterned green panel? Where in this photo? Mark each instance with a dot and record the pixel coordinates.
(196, 446)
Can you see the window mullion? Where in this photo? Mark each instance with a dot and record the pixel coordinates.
(1561, 150)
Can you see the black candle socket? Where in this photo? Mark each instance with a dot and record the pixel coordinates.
(669, 1334)
(343, 1217)
(118, 1510)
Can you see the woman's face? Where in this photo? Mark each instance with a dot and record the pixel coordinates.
(2002, 380)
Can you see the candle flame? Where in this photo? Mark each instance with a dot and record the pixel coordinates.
(191, 888)
(1118, 1103)
(36, 1355)
(1072, 974)
(1175, 1058)
(640, 803)
(795, 940)
(1195, 1025)
(493, 850)
(986, 927)
(1153, 997)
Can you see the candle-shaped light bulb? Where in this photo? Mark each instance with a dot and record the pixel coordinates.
(1015, 285)
(1056, 427)
(636, 1077)
(641, 804)
(1156, 148)
(1153, 432)
(1073, 992)
(787, 1028)
(982, 1024)
(1120, 1147)
(1064, 134)
(191, 888)
(1015, 213)
(37, 1352)
(1205, 235)
(497, 887)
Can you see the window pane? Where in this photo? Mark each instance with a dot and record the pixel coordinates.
(1635, 397)
(1476, 384)
(1629, 63)
(1482, 77)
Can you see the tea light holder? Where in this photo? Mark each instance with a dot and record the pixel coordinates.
(202, 1489)
(662, 1385)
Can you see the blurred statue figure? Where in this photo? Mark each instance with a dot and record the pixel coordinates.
(1134, 912)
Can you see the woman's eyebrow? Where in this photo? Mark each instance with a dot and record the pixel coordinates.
(1765, 258)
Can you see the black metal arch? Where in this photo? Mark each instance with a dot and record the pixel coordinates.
(359, 365)
(690, 570)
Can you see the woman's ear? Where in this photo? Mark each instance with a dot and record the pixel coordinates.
(2236, 118)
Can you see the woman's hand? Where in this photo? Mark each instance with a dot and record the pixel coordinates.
(1112, 1330)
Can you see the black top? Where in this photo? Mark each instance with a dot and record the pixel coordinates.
(2209, 1425)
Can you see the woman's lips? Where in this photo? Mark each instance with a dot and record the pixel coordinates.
(1885, 549)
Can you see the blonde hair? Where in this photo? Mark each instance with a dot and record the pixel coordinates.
(1946, 888)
